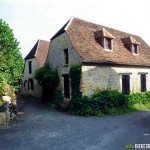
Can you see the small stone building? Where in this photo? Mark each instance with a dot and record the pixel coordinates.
(34, 60)
(110, 58)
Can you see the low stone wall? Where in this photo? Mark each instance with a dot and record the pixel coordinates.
(5, 115)
(3, 119)
(7, 103)
(8, 111)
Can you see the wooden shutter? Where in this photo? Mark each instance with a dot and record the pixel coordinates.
(143, 82)
(125, 84)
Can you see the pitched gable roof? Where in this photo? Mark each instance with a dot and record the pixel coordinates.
(39, 51)
(81, 34)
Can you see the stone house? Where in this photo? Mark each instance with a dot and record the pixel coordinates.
(35, 59)
(109, 58)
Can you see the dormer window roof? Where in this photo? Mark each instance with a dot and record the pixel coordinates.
(105, 39)
(103, 33)
(131, 44)
(130, 40)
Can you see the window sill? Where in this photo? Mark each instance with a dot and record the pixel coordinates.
(66, 65)
(135, 54)
(108, 50)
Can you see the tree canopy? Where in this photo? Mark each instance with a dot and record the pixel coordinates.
(11, 61)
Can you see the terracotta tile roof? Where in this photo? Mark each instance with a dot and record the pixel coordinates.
(39, 51)
(81, 34)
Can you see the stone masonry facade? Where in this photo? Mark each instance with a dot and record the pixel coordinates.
(56, 56)
(26, 86)
(106, 77)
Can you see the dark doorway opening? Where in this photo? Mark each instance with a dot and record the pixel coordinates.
(66, 85)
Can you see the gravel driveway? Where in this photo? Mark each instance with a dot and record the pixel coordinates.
(43, 129)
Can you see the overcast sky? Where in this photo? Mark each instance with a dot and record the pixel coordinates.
(41, 19)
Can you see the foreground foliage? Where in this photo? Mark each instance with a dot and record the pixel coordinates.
(8, 90)
(11, 61)
(75, 76)
(110, 102)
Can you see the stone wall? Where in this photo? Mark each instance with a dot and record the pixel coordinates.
(26, 76)
(56, 55)
(104, 77)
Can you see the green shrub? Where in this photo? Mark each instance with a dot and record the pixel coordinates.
(147, 94)
(135, 98)
(84, 106)
(57, 98)
(107, 99)
(48, 79)
(100, 103)
(75, 75)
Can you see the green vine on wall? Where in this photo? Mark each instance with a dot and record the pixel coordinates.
(48, 79)
(75, 75)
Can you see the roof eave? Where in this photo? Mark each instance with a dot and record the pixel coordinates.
(113, 63)
(29, 58)
(62, 30)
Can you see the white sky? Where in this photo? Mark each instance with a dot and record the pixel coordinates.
(41, 19)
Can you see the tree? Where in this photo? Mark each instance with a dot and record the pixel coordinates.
(11, 61)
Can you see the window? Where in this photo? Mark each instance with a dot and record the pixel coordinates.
(30, 84)
(143, 82)
(135, 49)
(101, 41)
(105, 39)
(66, 56)
(126, 84)
(108, 43)
(30, 67)
(25, 83)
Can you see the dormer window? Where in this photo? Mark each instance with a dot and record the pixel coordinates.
(105, 39)
(131, 44)
(108, 43)
(134, 49)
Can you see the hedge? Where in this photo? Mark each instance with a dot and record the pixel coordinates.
(105, 100)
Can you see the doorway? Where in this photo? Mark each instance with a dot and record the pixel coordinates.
(66, 85)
